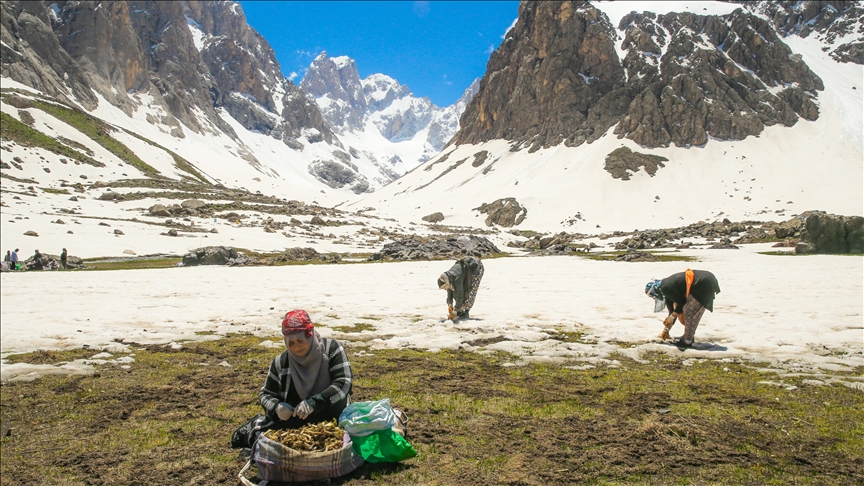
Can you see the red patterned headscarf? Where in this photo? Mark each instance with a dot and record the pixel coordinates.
(297, 321)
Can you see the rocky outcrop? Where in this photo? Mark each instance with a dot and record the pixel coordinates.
(211, 255)
(436, 248)
(830, 233)
(557, 78)
(44, 262)
(837, 23)
(506, 212)
(338, 175)
(305, 255)
(623, 162)
(540, 86)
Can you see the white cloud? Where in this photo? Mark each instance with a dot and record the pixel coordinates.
(292, 76)
(490, 49)
(511, 26)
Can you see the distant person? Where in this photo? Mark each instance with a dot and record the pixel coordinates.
(14, 259)
(37, 261)
(63, 259)
(8, 257)
(309, 382)
(685, 295)
(461, 283)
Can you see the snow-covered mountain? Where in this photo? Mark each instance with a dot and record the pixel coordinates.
(592, 118)
(197, 73)
(380, 116)
(589, 118)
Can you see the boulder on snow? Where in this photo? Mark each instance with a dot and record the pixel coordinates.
(211, 255)
(159, 210)
(830, 233)
(434, 217)
(506, 212)
(193, 204)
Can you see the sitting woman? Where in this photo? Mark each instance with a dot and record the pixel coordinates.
(310, 382)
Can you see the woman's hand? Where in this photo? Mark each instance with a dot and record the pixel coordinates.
(284, 411)
(304, 409)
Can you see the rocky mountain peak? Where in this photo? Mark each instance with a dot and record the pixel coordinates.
(558, 78)
(349, 104)
(336, 84)
(381, 90)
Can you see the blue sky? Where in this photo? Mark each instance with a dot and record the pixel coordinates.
(435, 48)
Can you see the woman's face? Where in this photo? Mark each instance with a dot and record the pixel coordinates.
(298, 345)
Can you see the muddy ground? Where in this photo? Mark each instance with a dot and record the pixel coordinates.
(474, 420)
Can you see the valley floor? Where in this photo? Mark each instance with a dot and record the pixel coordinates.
(141, 376)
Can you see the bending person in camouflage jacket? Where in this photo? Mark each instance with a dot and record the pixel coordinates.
(461, 283)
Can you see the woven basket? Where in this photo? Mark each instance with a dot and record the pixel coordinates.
(277, 462)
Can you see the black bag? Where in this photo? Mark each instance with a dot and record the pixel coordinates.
(248, 433)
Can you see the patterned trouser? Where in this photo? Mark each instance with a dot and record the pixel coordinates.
(472, 294)
(693, 311)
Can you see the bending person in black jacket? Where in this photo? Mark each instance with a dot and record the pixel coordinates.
(461, 283)
(685, 295)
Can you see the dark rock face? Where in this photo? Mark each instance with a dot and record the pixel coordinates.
(830, 233)
(211, 255)
(557, 78)
(554, 65)
(434, 217)
(829, 21)
(191, 57)
(337, 175)
(506, 212)
(436, 248)
(622, 162)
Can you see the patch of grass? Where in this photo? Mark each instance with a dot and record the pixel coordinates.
(131, 263)
(99, 132)
(51, 190)
(179, 161)
(51, 356)
(12, 129)
(472, 420)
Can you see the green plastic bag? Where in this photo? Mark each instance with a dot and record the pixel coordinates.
(383, 446)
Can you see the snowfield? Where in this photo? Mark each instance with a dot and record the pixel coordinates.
(799, 314)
